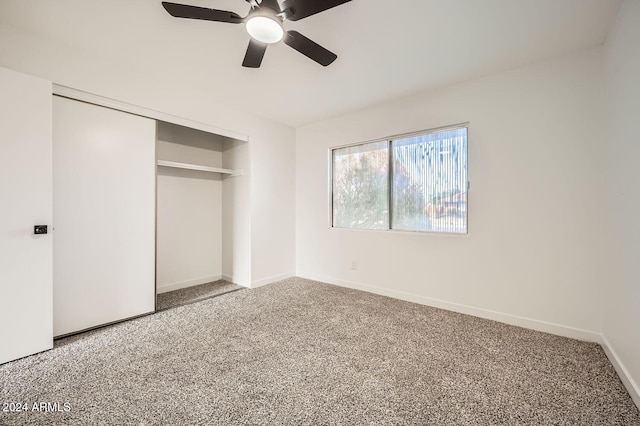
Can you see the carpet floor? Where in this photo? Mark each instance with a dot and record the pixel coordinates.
(306, 353)
(192, 294)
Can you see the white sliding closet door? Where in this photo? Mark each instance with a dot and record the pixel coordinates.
(104, 215)
(25, 201)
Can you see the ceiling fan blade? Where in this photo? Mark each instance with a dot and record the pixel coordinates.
(254, 55)
(303, 8)
(309, 48)
(195, 12)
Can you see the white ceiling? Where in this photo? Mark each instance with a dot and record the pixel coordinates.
(386, 49)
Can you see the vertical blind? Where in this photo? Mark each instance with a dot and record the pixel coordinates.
(429, 183)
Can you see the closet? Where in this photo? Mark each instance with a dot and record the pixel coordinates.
(140, 206)
(196, 196)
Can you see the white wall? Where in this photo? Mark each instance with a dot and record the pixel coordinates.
(189, 212)
(236, 226)
(531, 256)
(271, 147)
(622, 309)
(273, 185)
(26, 260)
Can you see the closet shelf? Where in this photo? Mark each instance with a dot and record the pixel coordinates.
(199, 167)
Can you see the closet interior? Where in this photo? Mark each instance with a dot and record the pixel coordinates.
(202, 197)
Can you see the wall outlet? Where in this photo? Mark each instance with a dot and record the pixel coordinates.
(354, 265)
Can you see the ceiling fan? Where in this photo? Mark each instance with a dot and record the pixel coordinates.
(264, 24)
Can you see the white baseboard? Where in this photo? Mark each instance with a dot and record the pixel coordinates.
(190, 283)
(276, 278)
(233, 280)
(627, 380)
(546, 327)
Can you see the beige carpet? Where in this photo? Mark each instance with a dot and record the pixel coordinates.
(305, 353)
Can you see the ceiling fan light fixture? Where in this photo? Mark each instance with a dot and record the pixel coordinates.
(265, 29)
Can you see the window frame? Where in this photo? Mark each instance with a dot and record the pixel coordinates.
(389, 140)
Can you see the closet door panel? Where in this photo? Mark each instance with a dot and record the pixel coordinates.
(104, 215)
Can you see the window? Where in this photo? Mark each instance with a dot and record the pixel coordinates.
(361, 186)
(408, 183)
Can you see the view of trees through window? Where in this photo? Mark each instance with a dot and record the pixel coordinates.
(361, 186)
(425, 190)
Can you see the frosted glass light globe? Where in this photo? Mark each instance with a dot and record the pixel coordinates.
(265, 29)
